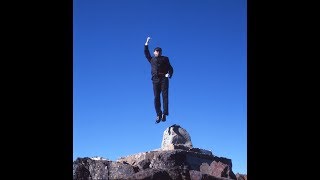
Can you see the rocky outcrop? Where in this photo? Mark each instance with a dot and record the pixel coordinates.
(176, 160)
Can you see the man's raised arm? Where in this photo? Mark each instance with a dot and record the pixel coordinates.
(146, 49)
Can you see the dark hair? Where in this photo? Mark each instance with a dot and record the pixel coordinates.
(158, 49)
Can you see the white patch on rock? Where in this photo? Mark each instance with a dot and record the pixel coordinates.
(98, 158)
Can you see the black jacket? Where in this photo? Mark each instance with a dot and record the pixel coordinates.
(159, 65)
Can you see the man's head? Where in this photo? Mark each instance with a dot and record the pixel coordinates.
(157, 51)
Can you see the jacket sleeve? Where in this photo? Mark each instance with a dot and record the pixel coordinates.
(147, 53)
(170, 68)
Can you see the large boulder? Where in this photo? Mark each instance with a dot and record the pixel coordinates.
(175, 137)
(181, 163)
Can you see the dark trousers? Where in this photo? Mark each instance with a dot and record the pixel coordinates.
(161, 86)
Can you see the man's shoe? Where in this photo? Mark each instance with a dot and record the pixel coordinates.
(164, 117)
(158, 119)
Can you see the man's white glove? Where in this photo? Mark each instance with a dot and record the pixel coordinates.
(167, 75)
(147, 42)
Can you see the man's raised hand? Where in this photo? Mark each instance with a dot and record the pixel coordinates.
(147, 42)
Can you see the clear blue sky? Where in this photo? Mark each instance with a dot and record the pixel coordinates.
(206, 42)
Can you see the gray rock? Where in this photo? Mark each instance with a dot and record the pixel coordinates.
(175, 137)
(154, 174)
(120, 170)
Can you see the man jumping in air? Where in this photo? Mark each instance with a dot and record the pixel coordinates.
(161, 70)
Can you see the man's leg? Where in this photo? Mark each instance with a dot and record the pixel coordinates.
(165, 94)
(156, 92)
